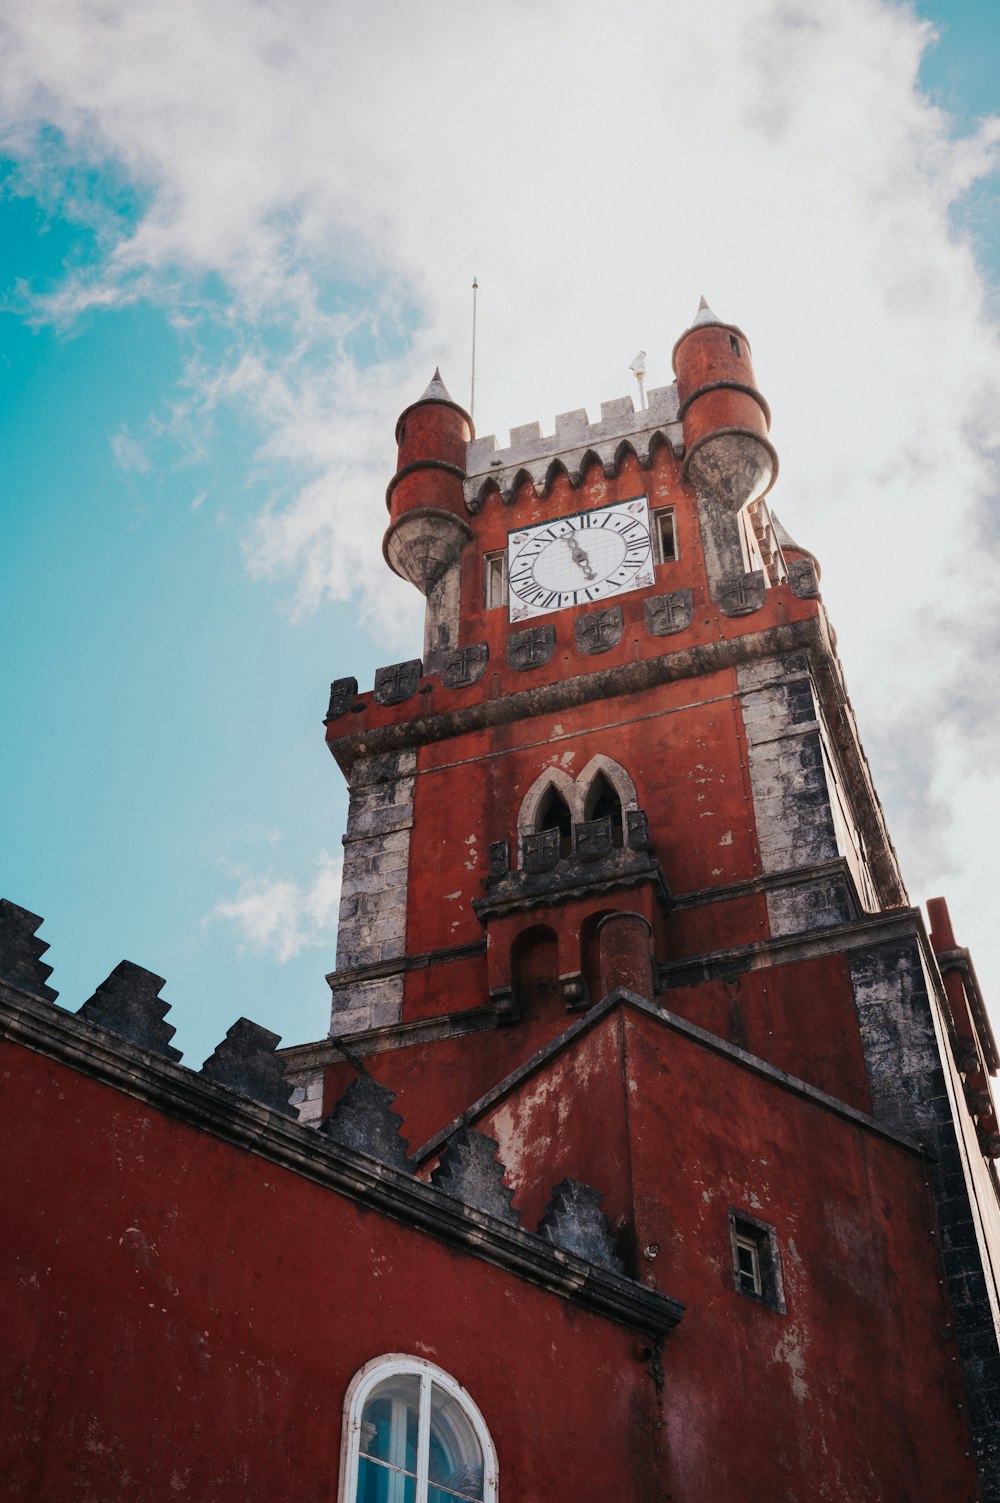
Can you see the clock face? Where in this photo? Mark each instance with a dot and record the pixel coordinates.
(589, 556)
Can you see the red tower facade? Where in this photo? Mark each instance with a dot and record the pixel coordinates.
(652, 1151)
(618, 894)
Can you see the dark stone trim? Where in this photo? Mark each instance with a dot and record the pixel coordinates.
(785, 950)
(573, 877)
(624, 998)
(609, 683)
(766, 882)
(301, 1058)
(422, 464)
(47, 1030)
(897, 996)
(788, 949)
(567, 693)
(376, 969)
(748, 391)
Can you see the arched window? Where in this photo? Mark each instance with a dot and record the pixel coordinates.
(413, 1435)
(553, 814)
(603, 802)
(534, 969)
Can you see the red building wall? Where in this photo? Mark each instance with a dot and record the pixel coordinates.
(182, 1319)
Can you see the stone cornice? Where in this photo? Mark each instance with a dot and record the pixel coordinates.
(860, 934)
(563, 694)
(811, 635)
(157, 1082)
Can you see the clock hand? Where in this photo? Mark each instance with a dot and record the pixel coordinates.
(579, 557)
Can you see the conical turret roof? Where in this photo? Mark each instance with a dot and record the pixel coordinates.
(437, 391)
(788, 544)
(704, 315)
(707, 318)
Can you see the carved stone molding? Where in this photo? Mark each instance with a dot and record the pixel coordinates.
(342, 695)
(593, 839)
(803, 579)
(742, 595)
(465, 666)
(397, 682)
(599, 631)
(540, 850)
(667, 614)
(531, 648)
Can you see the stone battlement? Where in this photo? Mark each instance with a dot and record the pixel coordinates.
(576, 441)
(120, 1037)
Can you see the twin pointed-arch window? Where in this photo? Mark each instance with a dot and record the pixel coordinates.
(562, 816)
(413, 1435)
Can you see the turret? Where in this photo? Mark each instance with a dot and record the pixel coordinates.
(791, 551)
(427, 528)
(727, 454)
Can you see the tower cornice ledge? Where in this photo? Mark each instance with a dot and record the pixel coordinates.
(810, 635)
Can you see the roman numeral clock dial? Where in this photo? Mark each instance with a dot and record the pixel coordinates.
(589, 556)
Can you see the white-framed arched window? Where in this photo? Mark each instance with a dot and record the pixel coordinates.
(413, 1435)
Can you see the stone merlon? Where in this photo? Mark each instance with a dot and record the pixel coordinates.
(574, 442)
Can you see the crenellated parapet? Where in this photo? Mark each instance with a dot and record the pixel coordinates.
(575, 445)
(243, 1098)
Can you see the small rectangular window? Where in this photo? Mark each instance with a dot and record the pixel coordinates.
(664, 536)
(748, 1265)
(494, 580)
(756, 1266)
(734, 345)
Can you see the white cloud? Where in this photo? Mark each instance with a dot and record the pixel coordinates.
(280, 916)
(344, 171)
(128, 452)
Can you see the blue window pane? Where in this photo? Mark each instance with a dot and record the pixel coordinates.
(455, 1462)
(381, 1484)
(442, 1495)
(389, 1422)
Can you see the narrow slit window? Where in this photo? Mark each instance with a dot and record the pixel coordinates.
(748, 1265)
(734, 345)
(664, 536)
(494, 580)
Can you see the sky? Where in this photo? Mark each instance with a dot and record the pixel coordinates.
(235, 241)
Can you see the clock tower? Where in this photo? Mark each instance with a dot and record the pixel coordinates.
(619, 900)
(652, 1151)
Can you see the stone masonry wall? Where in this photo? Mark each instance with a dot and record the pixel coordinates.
(372, 928)
(909, 1090)
(791, 796)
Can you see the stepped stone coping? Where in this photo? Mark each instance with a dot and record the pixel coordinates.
(76, 1044)
(21, 951)
(129, 1003)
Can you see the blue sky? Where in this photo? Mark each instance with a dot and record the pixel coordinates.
(233, 245)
